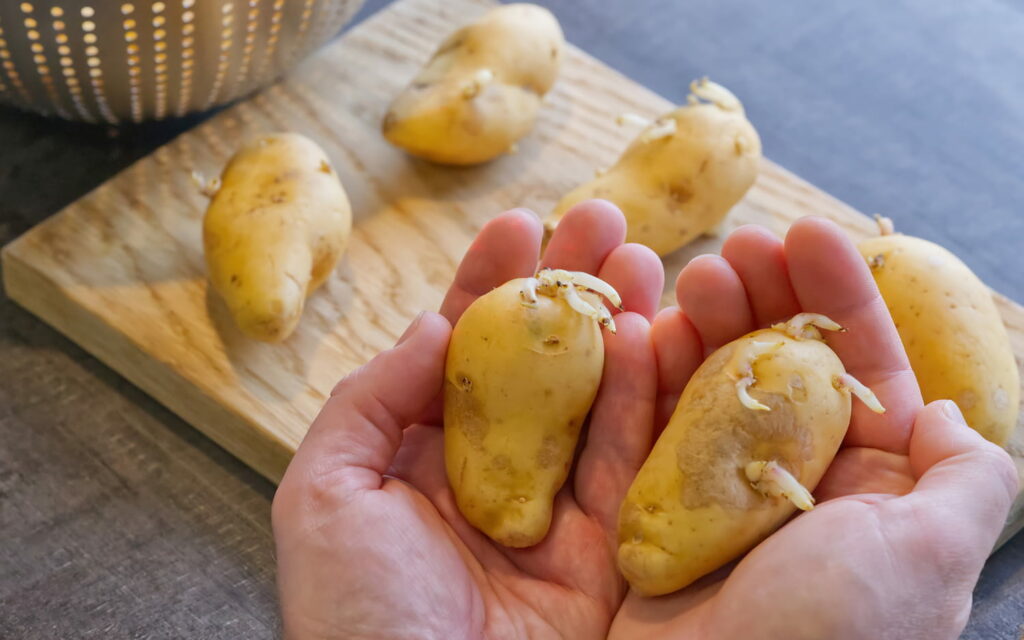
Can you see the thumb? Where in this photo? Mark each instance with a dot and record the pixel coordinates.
(962, 478)
(359, 429)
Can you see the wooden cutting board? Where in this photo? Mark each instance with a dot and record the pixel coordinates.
(121, 271)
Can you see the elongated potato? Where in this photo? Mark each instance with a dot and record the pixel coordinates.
(682, 174)
(951, 329)
(523, 366)
(481, 90)
(754, 431)
(274, 232)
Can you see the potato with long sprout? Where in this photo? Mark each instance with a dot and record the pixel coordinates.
(523, 367)
(275, 228)
(950, 326)
(755, 429)
(682, 174)
(482, 89)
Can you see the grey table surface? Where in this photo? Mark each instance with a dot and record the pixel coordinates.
(117, 520)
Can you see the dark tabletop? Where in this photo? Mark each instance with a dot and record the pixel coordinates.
(117, 520)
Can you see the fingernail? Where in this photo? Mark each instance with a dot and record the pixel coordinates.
(412, 328)
(952, 411)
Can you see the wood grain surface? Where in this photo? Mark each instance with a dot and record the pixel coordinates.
(121, 270)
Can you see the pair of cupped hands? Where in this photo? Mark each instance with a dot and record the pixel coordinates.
(370, 543)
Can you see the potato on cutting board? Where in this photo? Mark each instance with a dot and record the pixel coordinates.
(950, 326)
(274, 231)
(682, 174)
(481, 90)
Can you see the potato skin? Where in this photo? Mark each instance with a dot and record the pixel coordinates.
(518, 385)
(673, 189)
(690, 509)
(951, 330)
(274, 232)
(522, 45)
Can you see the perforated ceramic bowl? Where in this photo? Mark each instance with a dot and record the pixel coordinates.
(129, 60)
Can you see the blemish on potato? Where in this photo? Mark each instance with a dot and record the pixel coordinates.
(324, 167)
(680, 194)
(549, 452)
(967, 400)
(466, 408)
(501, 461)
(1000, 399)
(797, 388)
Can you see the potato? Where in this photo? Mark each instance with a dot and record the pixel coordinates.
(754, 431)
(481, 90)
(682, 174)
(951, 329)
(523, 366)
(274, 231)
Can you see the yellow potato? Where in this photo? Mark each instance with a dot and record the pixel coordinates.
(274, 232)
(754, 431)
(682, 174)
(521, 374)
(481, 90)
(951, 329)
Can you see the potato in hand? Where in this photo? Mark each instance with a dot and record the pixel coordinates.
(274, 232)
(523, 368)
(481, 90)
(754, 431)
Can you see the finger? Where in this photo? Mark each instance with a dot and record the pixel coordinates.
(505, 249)
(356, 435)
(966, 483)
(679, 352)
(585, 236)
(712, 296)
(636, 273)
(620, 435)
(759, 259)
(830, 277)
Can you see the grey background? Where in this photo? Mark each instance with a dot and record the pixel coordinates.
(117, 520)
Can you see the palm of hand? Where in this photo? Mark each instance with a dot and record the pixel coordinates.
(371, 544)
(886, 552)
(420, 564)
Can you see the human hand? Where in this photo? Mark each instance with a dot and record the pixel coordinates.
(369, 540)
(910, 507)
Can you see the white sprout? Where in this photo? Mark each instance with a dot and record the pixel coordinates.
(208, 188)
(742, 391)
(744, 372)
(885, 225)
(480, 79)
(513, 149)
(571, 295)
(597, 285)
(662, 128)
(846, 382)
(770, 479)
(567, 285)
(528, 294)
(716, 94)
(802, 325)
(600, 171)
(605, 318)
(633, 119)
